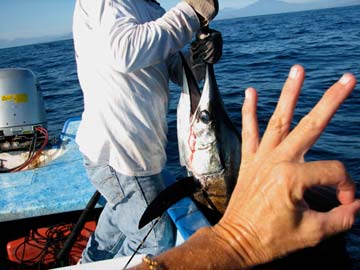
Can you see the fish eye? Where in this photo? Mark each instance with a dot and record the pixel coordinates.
(205, 117)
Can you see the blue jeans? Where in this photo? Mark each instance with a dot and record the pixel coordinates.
(117, 232)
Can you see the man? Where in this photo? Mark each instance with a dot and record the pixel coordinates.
(126, 52)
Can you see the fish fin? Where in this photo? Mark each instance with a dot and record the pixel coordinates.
(180, 189)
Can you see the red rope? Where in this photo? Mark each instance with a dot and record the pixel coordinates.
(38, 152)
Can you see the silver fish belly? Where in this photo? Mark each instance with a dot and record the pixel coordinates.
(209, 144)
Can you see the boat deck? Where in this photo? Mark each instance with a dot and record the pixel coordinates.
(57, 187)
(58, 190)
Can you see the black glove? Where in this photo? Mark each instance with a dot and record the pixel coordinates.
(207, 47)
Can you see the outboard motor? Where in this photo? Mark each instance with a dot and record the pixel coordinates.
(22, 109)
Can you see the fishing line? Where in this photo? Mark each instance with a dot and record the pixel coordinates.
(142, 242)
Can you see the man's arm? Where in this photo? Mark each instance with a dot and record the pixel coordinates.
(135, 44)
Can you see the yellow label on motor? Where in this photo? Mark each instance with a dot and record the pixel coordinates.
(16, 98)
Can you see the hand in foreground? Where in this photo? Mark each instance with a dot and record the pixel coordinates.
(267, 216)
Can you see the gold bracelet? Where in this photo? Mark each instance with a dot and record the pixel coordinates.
(152, 264)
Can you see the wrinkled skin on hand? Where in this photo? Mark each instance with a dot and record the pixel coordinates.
(267, 216)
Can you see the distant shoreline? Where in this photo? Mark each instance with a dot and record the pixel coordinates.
(49, 39)
(36, 43)
(221, 15)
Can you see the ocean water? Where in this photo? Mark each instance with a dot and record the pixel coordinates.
(258, 52)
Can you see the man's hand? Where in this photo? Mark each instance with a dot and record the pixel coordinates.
(205, 9)
(267, 216)
(207, 47)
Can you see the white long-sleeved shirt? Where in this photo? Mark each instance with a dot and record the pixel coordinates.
(126, 52)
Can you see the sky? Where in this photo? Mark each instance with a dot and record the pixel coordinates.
(33, 18)
(37, 18)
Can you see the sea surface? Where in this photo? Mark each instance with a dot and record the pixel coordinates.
(258, 52)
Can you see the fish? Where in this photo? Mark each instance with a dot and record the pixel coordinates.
(209, 143)
(209, 148)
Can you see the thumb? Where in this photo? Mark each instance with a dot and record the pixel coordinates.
(340, 218)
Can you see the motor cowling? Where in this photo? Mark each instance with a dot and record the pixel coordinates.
(22, 108)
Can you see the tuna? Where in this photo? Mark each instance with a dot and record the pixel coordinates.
(209, 148)
(209, 143)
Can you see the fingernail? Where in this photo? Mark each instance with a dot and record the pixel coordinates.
(293, 72)
(345, 79)
(247, 94)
